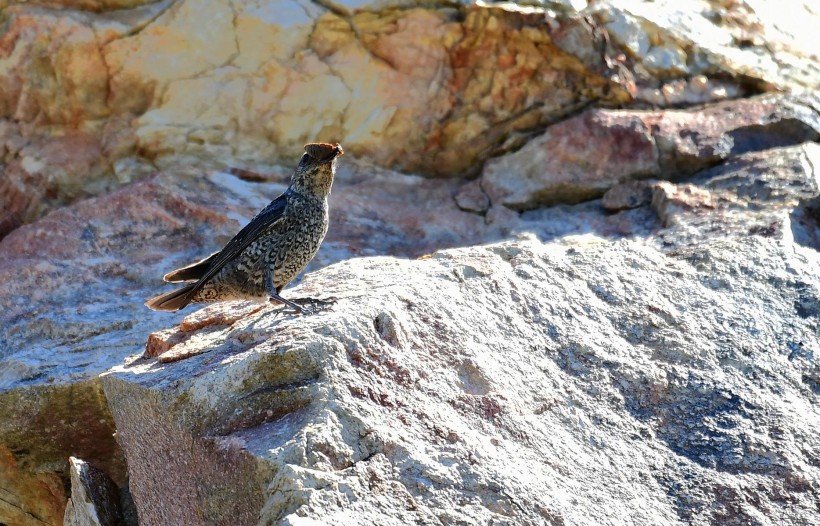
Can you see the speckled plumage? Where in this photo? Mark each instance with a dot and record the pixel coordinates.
(272, 249)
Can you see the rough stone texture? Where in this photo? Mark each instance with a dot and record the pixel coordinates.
(581, 158)
(421, 86)
(575, 160)
(95, 499)
(752, 194)
(418, 89)
(667, 370)
(623, 360)
(768, 42)
(43, 423)
(519, 383)
(115, 248)
(73, 285)
(29, 497)
(626, 195)
(45, 173)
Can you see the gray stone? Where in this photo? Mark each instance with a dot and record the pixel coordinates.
(626, 195)
(95, 499)
(583, 157)
(516, 383)
(753, 194)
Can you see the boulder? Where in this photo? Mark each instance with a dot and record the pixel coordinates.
(649, 357)
(753, 194)
(359, 400)
(770, 44)
(520, 382)
(423, 87)
(43, 424)
(583, 157)
(74, 282)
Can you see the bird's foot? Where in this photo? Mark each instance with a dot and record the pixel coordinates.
(306, 306)
(315, 305)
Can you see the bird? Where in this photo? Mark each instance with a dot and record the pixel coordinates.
(271, 250)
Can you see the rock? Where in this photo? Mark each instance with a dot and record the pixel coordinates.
(50, 172)
(412, 89)
(43, 423)
(626, 195)
(804, 221)
(53, 68)
(95, 499)
(575, 160)
(423, 87)
(582, 157)
(689, 141)
(427, 90)
(755, 39)
(471, 198)
(753, 194)
(428, 396)
(30, 498)
(663, 378)
(61, 334)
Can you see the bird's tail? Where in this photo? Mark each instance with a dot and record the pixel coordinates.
(171, 301)
(192, 272)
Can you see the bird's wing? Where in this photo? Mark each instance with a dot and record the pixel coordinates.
(265, 219)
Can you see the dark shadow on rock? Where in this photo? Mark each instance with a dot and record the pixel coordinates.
(805, 223)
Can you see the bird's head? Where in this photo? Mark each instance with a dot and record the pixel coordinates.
(314, 174)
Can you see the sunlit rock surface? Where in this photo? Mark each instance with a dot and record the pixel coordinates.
(519, 383)
(581, 158)
(506, 347)
(423, 87)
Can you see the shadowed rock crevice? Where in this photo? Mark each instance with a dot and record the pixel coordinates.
(42, 426)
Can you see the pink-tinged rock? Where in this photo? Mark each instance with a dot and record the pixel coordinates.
(671, 200)
(689, 141)
(48, 172)
(575, 160)
(582, 157)
(74, 283)
(486, 384)
(186, 339)
(471, 197)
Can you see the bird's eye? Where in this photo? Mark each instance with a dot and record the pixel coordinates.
(305, 159)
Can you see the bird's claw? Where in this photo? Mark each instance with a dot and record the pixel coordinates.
(307, 306)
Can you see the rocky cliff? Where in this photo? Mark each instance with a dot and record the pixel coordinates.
(574, 251)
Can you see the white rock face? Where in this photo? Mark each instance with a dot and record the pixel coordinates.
(517, 383)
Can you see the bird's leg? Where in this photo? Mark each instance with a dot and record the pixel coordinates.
(296, 308)
(274, 294)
